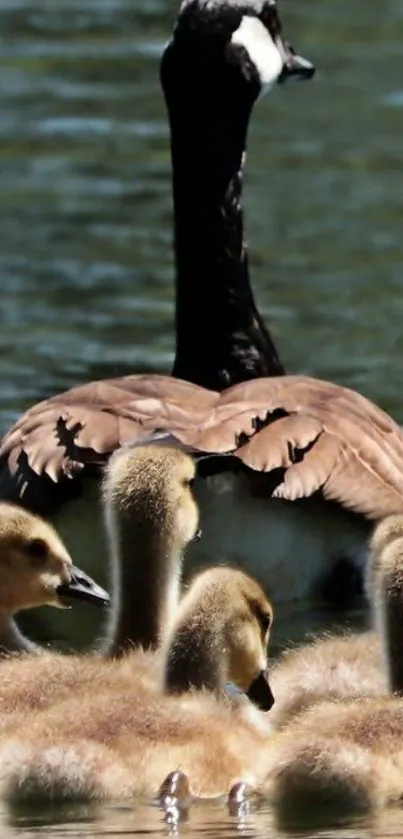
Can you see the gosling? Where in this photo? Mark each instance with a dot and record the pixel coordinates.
(114, 743)
(355, 665)
(348, 756)
(151, 516)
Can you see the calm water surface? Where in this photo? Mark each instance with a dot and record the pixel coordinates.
(203, 821)
(85, 237)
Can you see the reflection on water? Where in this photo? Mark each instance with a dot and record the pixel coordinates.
(85, 231)
(207, 819)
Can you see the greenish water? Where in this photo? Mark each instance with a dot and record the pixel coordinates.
(85, 234)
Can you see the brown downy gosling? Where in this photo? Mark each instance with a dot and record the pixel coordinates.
(220, 635)
(347, 756)
(352, 665)
(35, 570)
(339, 757)
(113, 743)
(150, 516)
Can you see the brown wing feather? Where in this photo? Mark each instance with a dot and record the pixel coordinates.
(319, 436)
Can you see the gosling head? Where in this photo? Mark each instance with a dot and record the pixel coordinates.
(35, 567)
(250, 617)
(220, 635)
(228, 51)
(150, 488)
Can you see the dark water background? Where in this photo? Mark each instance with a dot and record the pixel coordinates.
(85, 233)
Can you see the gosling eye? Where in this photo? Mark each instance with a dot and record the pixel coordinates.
(37, 551)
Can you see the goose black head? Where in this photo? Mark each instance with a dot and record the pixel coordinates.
(229, 49)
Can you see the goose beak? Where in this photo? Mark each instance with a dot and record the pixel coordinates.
(82, 587)
(294, 66)
(260, 692)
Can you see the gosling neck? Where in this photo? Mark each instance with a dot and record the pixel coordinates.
(392, 620)
(11, 638)
(146, 586)
(221, 338)
(196, 657)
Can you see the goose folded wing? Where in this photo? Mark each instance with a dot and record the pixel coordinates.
(312, 436)
(317, 437)
(55, 444)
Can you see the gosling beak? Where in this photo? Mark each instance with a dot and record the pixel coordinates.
(82, 587)
(294, 66)
(260, 692)
(198, 535)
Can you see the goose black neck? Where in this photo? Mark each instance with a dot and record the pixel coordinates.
(220, 337)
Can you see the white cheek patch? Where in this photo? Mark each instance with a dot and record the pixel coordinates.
(254, 37)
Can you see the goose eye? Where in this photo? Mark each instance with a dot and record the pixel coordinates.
(37, 551)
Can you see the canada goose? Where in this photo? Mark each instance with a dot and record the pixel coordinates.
(35, 570)
(150, 516)
(116, 742)
(311, 437)
(357, 664)
(300, 439)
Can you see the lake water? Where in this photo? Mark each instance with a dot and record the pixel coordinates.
(85, 237)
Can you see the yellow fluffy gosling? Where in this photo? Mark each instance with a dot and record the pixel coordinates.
(348, 756)
(151, 516)
(339, 757)
(114, 743)
(353, 665)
